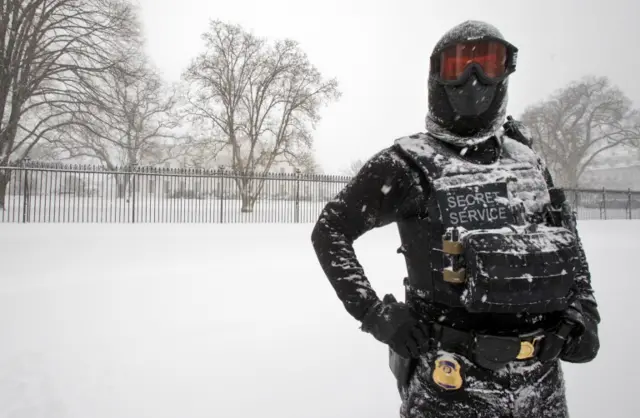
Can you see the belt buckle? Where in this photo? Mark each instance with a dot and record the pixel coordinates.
(528, 348)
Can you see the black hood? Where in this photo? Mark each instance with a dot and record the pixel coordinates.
(470, 113)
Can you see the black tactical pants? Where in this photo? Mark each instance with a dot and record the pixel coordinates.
(522, 389)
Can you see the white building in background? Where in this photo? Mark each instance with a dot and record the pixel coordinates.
(622, 177)
(615, 169)
(222, 159)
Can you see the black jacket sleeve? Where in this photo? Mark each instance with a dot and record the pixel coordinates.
(371, 199)
(583, 348)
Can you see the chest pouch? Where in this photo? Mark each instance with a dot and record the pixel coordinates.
(511, 270)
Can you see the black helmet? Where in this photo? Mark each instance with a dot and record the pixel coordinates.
(468, 79)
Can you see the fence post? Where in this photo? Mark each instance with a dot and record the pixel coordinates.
(603, 211)
(297, 204)
(629, 203)
(133, 191)
(221, 171)
(26, 210)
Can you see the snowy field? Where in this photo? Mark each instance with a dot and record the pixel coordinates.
(226, 321)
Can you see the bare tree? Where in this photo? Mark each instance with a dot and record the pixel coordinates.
(128, 120)
(579, 123)
(353, 168)
(44, 151)
(307, 164)
(202, 149)
(260, 100)
(48, 49)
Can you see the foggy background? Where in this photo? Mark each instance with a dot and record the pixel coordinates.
(110, 117)
(379, 52)
(144, 94)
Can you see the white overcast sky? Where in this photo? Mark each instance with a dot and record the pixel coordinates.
(379, 50)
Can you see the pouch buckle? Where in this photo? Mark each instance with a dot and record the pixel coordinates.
(528, 348)
(452, 247)
(450, 275)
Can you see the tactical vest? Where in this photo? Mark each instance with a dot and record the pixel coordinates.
(484, 244)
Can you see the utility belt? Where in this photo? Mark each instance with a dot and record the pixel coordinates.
(490, 352)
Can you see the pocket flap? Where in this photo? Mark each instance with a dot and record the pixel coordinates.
(496, 350)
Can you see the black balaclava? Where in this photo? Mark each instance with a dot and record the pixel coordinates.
(467, 114)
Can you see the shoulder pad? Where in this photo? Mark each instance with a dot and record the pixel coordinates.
(419, 144)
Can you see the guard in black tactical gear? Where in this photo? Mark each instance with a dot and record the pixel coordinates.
(498, 289)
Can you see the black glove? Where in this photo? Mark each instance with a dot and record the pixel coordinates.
(392, 323)
(570, 328)
(584, 348)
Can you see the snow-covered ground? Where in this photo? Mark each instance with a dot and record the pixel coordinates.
(172, 321)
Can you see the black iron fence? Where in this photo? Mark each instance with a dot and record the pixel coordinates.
(38, 192)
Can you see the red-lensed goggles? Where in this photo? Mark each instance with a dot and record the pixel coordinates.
(494, 58)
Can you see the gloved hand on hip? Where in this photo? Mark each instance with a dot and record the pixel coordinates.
(393, 323)
(571, 327)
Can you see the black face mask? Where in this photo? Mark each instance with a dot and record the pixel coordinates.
(467, 103)
(472, 98)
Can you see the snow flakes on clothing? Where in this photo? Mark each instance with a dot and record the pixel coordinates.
(469, 30)
(435, 128)
(519, 167)
(527, 389)
(371, 199)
